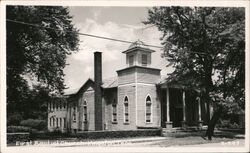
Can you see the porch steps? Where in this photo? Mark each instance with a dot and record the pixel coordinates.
(182, 132)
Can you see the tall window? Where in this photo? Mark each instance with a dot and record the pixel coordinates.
(50, 121)
(64, 122)
(148, 109)
(56, 122)
(131, 60)
(114, 111)
(53, 121)
(74, 114)
(144, 60)
(85, 113)
(126, 112)
(60, 122)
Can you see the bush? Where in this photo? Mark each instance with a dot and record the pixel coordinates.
(12, 129)
(118, 134)
(35, 124)
(14, 119)
(12, 138)
(96, 134)
(227, 124)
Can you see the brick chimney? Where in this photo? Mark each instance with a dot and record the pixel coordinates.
(98, 90)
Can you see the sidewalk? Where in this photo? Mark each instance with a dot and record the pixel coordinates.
(95, 143)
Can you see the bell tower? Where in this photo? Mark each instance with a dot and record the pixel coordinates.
(138, 55)
(136, 84)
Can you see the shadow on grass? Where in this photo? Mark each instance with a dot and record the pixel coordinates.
(217, 134)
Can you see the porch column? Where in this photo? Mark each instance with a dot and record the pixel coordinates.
(62, 124)
(199, 112)
(168, 122)
(184, 108)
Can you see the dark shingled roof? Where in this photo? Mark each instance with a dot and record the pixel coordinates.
(107, 83)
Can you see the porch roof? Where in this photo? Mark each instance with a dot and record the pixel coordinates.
(164, 83)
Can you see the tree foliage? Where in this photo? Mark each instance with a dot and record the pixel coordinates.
(37, 52)
(206, 46)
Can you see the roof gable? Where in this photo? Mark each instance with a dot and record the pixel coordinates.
(85, 86)
(107, 84)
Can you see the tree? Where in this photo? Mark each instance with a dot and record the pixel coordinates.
(206, 46)
(38, 40)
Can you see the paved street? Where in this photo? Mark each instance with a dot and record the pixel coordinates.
(148, 144)
(194, 141)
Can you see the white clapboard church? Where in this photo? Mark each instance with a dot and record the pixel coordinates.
(137, 98)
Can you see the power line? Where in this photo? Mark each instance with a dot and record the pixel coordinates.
(84, 34)
(91, 35)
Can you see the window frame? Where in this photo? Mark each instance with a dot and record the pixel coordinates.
(50, 122)
(64, 123)
(60, 122)
(74, 114)
(142, 61)
(124, 110)
(151, 109)
(56, 122)
(85, 111)
(129, 60)
(114, 119)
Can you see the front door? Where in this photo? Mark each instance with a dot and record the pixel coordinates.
(177, 117)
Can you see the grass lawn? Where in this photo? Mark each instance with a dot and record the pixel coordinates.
(193, 139)
(173, 139)
(190, 140)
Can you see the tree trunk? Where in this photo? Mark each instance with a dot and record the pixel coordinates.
(212, 123)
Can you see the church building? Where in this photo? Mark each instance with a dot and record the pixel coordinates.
(138, 98)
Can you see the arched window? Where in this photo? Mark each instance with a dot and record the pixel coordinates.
(53, 121)
(85, 111)
(114, 111)
(50, 121)
(84, 103)
(56, 122)
(126, 111)
(148, 109)
(60, 122)
(74, 114)
(64, 122)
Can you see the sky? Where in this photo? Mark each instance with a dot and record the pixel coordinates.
(115, 22)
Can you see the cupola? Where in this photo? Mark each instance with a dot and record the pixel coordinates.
(138, 54)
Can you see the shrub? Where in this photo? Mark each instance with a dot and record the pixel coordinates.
(234, 126)
(118, 134)
(12, 138)
(35, 124)
(12, 129)
(227, 124)
(96, 134)
(14, 119)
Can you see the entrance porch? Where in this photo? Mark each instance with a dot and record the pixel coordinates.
(181, 108)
